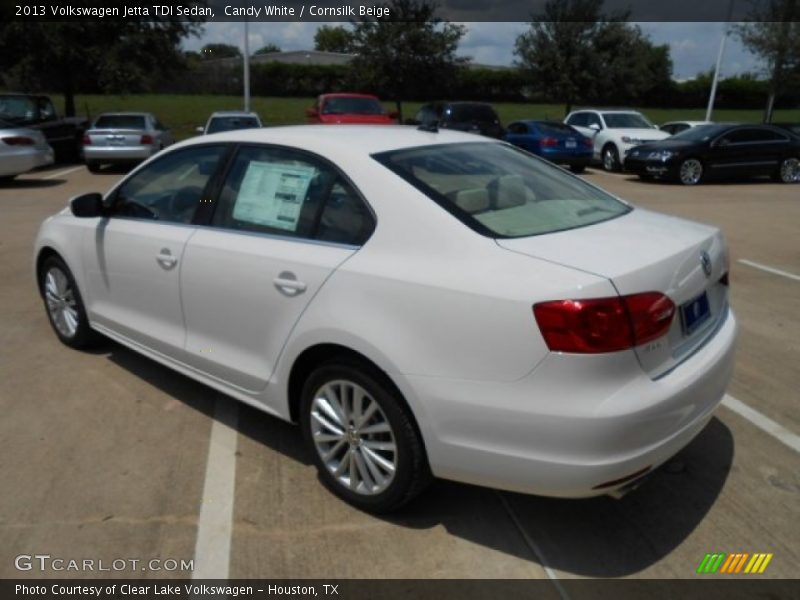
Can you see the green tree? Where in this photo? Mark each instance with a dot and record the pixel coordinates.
(330, 38)
(268, 49)
(577, 53)
(213, 51)
(773, 34)
(413, 55)
(115, 56)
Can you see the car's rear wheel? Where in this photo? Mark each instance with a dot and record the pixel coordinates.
(789, 171)
(362, 436)
(611, 158)
(690, 171)
(64, 304)
(94, 167)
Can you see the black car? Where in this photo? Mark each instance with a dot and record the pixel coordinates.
(717, 152)
(477, 117)
(793, 127)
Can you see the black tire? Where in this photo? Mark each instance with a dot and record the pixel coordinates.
(411, 474)
(577, 169)
(788, 171)
(610, 158)
(7, 178)
(93, 167)
(84, 336)
(691, 171)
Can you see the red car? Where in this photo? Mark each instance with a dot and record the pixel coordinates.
(348, 108)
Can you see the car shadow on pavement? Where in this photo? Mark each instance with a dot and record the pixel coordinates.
(24, 184)
(597, 537)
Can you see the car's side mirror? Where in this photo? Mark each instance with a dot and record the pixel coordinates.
(87, 205)
(312, 112)
(595, 126)
(722, 142)
(199, 130)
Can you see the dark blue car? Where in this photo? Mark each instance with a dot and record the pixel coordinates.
(557, 142)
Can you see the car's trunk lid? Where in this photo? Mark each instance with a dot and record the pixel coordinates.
(643, 251)
(116, 137)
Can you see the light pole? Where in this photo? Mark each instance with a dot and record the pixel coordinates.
(246, 68)
(712, 96)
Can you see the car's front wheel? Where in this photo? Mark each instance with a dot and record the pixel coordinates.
(64, 304)
(690, 171)
(362, 436)
(611, 158)
(789, 171)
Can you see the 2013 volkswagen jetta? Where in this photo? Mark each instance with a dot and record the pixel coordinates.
(422, 303)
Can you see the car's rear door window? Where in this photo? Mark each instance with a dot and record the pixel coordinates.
(500, 191)
(284, 192)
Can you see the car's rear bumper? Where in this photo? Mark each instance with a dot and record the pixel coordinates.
(568, 158)
(24, 159)
(576, 422)
(118, 153)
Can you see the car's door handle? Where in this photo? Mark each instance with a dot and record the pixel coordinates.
(287, 283)
(165, 259)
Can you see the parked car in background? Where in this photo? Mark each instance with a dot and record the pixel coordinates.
(614, 133)
(793, 128)
(420, 303)
(720, 151)
(557, 142)
(124, 137)
(228, 120)
(36, 111)
(347, 108)
(22, 150)
(472, 117)
(674, 127)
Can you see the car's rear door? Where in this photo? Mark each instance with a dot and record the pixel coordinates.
(133, 259)
(279, 230)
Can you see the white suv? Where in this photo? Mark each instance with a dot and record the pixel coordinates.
(614, 133)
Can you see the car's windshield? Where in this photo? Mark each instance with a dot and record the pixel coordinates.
(120, 122)
(218, 124)
(471, 112)
(500, 191)
(701, 133)
(352, 106)
(17, 109)
(626, 121)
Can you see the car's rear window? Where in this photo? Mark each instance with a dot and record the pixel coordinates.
(120, 122)
(472, 112)
(218, 124)
(626, 121)
(352, 106)
(502, 192)
(557, 129)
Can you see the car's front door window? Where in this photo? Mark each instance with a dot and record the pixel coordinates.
(169, 189)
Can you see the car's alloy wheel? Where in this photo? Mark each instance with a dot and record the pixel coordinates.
(790, 170)
(362, 437)
(691, 171)
(64, 305)
(610, 158)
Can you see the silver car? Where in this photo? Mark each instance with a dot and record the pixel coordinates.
(21, 150)
(124, 138)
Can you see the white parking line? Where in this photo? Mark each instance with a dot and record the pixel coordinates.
(765, 424)
(534, 548)
(772, 270)
(60, 173)
(215, 525)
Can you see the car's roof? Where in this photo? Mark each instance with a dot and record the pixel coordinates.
(608, 110)
(124, 114)
(232, 113)
(692, 123)
(348, 95)
(334, 140)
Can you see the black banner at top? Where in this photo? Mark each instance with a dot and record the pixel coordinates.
(352, 10)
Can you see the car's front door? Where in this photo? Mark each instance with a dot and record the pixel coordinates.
(283, 221)
(746, 151)
(133, 260)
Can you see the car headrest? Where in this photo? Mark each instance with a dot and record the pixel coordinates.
(509, 191)
(472, 201)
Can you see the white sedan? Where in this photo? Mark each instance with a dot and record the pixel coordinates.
(421, 303)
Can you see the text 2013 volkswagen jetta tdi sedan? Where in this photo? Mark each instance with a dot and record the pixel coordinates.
(422, 303)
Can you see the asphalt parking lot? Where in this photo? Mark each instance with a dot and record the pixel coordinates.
(107, 455)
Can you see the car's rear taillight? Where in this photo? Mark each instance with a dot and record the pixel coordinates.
(589, 143)
(18, 140)
(146, 140)
(87, 141)
(549, 141)
(604, 324)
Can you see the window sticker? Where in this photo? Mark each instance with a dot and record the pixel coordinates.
(272, 194)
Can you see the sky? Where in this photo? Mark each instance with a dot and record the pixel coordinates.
(694, 46)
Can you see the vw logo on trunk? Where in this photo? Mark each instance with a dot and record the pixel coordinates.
(705, 261)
